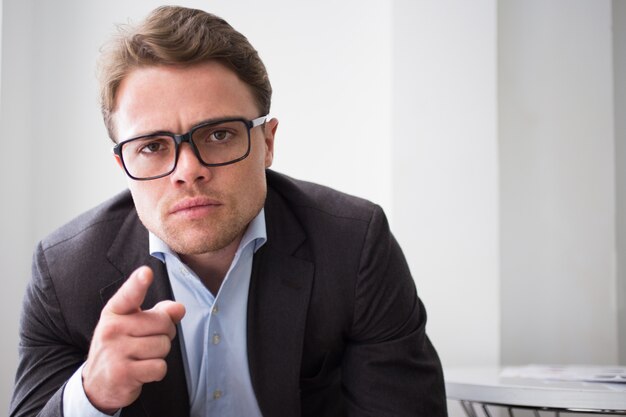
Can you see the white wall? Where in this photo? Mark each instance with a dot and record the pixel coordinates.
(16, 241)
(445, 169)
(557, 182)
(1, 7)
(619, 76)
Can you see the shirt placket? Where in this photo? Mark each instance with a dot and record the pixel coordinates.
(216, 371)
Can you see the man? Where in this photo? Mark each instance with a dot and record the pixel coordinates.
(291, 299)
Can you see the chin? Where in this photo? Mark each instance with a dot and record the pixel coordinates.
(197, 244)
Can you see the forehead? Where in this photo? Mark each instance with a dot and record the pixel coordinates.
(174, 98)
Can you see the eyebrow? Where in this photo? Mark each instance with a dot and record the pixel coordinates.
(205, 121)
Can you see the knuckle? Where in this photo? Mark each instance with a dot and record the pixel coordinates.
(110, 329)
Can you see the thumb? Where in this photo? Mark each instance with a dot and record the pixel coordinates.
(130, 296)
(175, 310)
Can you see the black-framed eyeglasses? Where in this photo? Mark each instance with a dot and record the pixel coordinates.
(215, 143)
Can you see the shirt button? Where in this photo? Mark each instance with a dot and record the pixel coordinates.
(217, 394)
(216, 339)
(215, 309)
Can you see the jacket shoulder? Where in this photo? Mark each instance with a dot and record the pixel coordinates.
(94, 222)
(308, 196)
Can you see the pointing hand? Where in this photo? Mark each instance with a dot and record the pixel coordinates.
(129, 345)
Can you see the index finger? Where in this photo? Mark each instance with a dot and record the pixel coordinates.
(130, 296)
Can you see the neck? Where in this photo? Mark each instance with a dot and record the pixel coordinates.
(212, 267)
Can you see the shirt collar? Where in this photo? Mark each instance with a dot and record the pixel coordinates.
(256, 233)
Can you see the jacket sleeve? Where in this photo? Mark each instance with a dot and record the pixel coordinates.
(47, 355)
(390, 367)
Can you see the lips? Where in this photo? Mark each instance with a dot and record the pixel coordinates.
(192, 204)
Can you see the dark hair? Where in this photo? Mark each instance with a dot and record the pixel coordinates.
(179, 36)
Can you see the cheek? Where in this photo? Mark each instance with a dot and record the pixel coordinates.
(247, 172)
(146, 197)
(262, 158)
(246, 182)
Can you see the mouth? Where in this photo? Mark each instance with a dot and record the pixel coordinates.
(196, 206)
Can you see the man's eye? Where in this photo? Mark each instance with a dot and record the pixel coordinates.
(153, 146)
(219, 136)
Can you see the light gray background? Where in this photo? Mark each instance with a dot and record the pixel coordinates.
(492, 132)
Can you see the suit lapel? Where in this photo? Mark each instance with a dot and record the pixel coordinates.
(280, 288)
(129, 251)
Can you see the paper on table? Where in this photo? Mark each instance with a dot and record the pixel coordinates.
(613, 374)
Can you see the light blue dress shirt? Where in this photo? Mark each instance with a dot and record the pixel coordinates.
(212, 334)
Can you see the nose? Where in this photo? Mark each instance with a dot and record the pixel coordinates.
(189, 169)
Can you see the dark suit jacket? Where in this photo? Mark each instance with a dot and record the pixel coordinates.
(335, 327)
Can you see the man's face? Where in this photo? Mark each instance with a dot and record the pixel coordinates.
(196, 209)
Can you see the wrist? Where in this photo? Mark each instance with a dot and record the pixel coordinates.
(103, 409)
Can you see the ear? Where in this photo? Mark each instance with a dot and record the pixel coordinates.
(270, 133)
(119, 161)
